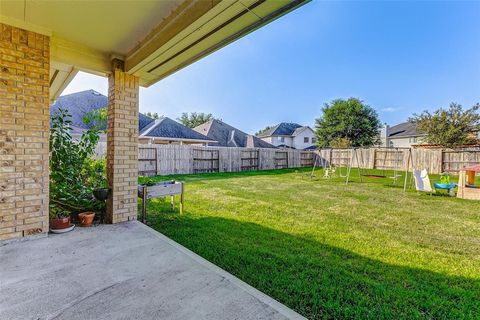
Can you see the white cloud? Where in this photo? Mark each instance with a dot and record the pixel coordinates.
(389, 109)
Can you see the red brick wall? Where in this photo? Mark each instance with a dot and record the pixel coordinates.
(24, 130)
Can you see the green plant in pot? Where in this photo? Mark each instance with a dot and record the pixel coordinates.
(59, 218)
(97, 179)
(146, 181)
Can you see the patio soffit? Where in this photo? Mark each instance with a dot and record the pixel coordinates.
(153, 38)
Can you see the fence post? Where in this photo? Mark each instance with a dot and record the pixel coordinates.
(373, 159)
(441, 160)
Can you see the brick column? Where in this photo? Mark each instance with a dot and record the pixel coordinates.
(122, 145)
(24, 132)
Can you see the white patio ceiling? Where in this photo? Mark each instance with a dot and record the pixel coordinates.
(153, 38)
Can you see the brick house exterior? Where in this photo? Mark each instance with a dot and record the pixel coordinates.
(24, 123)
(41, 53)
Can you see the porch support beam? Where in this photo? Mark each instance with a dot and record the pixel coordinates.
(24, 132)
(122, 144)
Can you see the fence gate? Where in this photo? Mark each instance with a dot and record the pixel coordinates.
(249, 160)
(341, 157)
(456, 160)
(147, 161)
(205, 160)
(307, 158)
(281, 159)
(388, 159)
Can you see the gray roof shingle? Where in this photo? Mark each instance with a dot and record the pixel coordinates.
(228, 136)
(405, 129)
(168, 128)
(80, 103)
(144, 121)
(282, 129)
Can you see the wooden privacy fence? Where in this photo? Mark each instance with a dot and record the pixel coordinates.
(182, 159)
(172, 159)
(281, 159)
(205, 160)
(455, 160)
(249, 159)
(435, 160)
(147, 162)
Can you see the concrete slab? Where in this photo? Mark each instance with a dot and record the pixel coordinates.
(123, 271)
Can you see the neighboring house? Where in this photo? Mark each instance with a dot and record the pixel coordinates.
(403, 135)
(168, 131)
(228, 136)
(162, 131)
(77, 104)
(290, 135)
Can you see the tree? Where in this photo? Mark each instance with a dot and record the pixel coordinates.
(259, 132)
(96, 119)
(449, 128)
(347, 123)
(71, 161)
(195, 119)
(152, 115)
(341, 143)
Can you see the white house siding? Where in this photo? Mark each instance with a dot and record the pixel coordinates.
(276, 140)
(403, 142)
(269, 140)
(298, 140)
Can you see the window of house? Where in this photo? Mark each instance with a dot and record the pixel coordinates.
(412, 140)
(391, 145)
(314, 140)
(305, 139)
(281, 139)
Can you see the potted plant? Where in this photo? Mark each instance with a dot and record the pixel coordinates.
(59, 220)
(102, 190)
(98, 180)
(86, 218)
(146, 181)
(101, 194)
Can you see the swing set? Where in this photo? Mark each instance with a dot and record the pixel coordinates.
(357, 160)
(329, 171)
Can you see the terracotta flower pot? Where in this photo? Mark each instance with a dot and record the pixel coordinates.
(86, 218)
(60, 223)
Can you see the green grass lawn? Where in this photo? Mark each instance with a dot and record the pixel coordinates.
(327, 250)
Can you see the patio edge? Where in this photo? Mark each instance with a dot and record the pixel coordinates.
(274, 304)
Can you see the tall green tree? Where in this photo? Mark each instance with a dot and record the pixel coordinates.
(195, 119)
(152, 115)
(96, 119)
(259, 132)
(449, 127)
(347, 123)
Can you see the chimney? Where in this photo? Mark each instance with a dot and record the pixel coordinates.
(250, 142)
(384, 135)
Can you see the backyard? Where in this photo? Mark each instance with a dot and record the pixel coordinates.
(327, 250)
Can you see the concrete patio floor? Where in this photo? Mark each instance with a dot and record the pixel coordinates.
(123, 271)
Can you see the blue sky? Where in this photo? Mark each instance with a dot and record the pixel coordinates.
(399, 57)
